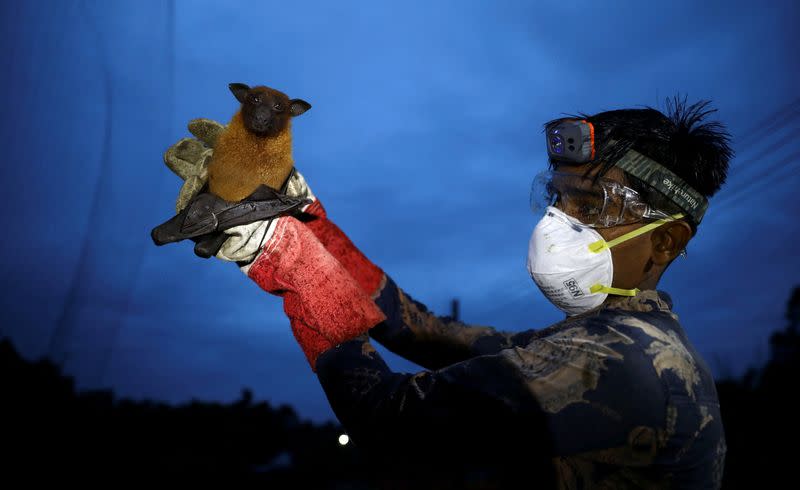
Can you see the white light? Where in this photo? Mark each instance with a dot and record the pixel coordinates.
(344, 439)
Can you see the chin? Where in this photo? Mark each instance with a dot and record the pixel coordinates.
(263, 133)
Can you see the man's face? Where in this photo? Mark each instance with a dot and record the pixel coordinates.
(632, 259)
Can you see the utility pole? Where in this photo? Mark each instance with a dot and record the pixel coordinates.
(454, 309)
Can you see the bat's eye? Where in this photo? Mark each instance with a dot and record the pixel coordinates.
(254, 99)
(278, 107)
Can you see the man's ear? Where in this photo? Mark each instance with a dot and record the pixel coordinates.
(669, 240)
(239, 91)
(299, 106)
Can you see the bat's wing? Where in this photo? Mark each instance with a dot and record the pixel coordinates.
(207, 213)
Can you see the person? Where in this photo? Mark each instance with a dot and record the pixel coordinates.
(613, 396)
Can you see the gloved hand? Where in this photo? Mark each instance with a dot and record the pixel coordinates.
(189, 158)
(325, 305)
(240, 246)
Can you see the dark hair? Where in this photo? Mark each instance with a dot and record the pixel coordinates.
(695, 150)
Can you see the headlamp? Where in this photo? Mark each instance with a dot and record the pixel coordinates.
(572, 141)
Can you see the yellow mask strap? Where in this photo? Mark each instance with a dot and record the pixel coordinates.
(601, 244)
(598, 288)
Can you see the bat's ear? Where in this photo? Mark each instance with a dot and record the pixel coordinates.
(299, 106)
(239, 90)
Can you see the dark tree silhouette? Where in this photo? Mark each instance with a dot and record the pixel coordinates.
(50, 432)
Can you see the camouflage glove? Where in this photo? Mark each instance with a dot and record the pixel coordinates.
(189, 158)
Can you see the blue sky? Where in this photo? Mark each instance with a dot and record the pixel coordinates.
(423, 138)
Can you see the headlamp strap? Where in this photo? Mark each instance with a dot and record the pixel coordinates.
(666, 182)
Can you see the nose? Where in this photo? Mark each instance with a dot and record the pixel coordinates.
(262, 116)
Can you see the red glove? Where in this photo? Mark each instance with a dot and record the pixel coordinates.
(368, 275)
(324, 303)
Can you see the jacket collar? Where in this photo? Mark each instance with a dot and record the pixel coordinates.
(647, 300)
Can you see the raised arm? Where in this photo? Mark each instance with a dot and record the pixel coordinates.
(433, 341)
(410, 330)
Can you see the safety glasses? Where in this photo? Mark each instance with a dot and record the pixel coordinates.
(598, 203)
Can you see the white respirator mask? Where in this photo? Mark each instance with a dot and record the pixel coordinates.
(571, 262)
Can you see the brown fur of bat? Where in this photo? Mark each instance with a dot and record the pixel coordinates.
(256, 146)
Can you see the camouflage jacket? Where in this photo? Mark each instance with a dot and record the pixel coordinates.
(616, 397)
